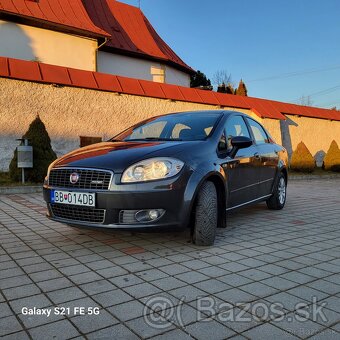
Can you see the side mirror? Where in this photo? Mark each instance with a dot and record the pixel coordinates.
(239, 142)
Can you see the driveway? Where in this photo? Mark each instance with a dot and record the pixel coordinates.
(270, 275)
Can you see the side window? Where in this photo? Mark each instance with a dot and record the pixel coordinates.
(236, 126)
(259, 133)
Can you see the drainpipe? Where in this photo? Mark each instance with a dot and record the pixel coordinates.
(97, 50)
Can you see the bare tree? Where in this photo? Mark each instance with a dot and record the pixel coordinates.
(222, 77)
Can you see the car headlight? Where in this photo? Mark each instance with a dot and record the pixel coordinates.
(152, 169)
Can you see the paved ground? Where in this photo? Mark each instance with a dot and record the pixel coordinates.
(271, 275)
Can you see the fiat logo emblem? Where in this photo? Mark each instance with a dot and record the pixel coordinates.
(74, 178)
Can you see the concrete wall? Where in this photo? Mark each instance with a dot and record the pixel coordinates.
(50, 47)
(140, 69)
(317, 134)
(72, 112)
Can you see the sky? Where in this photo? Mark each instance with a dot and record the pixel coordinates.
(283, 50)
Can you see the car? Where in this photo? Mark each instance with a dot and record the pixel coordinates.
(185, 169)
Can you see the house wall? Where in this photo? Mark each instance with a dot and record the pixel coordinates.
(141, 69)
(50, 47)
(70, 112)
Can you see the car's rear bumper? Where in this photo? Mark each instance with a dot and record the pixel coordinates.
(168, 196)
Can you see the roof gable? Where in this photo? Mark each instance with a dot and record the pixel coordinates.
(131, 32)
(66, 15)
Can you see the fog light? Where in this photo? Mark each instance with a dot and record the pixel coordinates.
(154, 214)
(149, 215)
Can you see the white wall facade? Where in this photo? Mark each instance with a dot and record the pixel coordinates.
(141, 69)
(70, 112)
(50, 47)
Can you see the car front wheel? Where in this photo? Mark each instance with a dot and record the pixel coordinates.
(206, 215)
(278, 199)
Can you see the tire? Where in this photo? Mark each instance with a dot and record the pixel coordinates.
(278, 200)
(206, 215)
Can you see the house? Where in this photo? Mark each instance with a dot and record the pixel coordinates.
(94, 35)
(83, 68)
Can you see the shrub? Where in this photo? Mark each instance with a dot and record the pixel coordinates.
(332, 158)
(43, 155)
(302, 160)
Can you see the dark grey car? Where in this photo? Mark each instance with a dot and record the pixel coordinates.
(179, 170)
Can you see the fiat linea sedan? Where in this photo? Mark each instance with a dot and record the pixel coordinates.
(180, 170)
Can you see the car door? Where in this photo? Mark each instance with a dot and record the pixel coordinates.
(268, 157)
(242, 171)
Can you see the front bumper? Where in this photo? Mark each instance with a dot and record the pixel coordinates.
(168, 195)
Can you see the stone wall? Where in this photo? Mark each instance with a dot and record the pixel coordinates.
(70, 112)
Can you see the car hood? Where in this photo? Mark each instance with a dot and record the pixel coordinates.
(117, 156)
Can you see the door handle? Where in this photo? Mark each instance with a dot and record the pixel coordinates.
(257, 155)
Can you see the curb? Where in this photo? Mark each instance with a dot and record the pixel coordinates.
(312, 177)
(21, 190)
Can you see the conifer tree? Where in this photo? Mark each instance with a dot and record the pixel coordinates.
(43, 155)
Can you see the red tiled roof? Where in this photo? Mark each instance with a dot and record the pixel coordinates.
(43, 73)
(69, 15)
(131, 32)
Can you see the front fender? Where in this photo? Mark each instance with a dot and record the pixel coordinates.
(197, 178)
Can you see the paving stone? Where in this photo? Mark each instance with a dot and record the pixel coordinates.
(148, 329)
(211, 329)
(177, 334)
(128, 310)
(21, 292)
(141, 290)
(117, 332)
(151, 275)
(236, 296)
(64, 295)
(112, 297)
(97, 287)
(174, 269)
(259, 289)
(52, 330)
(54, 284)
(45, 275)
(16, 336)
(85, 277)
(168, 283)
(91, 323)
(38, 301)
(192, 277)
(268, 331)
(212, 286)
(5, 310)
(126, 280)
(9, 325)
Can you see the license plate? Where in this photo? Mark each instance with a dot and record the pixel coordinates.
(73, 198)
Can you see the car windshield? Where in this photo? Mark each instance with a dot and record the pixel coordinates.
(175, 127)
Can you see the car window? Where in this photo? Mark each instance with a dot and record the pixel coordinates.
(236, 126)
(259, 133)
(186, 126)
(153, 129)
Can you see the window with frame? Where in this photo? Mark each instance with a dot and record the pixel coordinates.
(235, 127)
(259, 133)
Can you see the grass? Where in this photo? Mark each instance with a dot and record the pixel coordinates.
(5, 181)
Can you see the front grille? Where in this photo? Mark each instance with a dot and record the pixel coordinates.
(88, 178)
(80, 214)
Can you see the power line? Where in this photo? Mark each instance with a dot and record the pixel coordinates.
(320, 93)
(295, 74)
